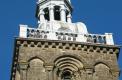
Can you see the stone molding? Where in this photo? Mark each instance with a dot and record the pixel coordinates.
(87, 47)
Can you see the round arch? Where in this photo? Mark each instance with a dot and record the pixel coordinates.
(102, 62)
(102, 70)
(75, 56)
(31, 57)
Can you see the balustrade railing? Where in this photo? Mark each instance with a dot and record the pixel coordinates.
(96, 38)
(66, 36)
(34, 33)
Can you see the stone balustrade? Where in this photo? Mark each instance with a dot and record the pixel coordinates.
(35, 33)
(96, 38)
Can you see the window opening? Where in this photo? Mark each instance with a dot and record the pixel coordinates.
(57, 13)
(46, 15)
(66, 75)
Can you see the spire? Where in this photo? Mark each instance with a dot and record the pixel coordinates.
(54, 10)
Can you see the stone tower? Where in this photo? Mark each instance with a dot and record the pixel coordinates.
(61, 50)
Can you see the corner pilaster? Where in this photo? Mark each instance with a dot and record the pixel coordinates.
(89, 73)
(23, 70)
(49, 71)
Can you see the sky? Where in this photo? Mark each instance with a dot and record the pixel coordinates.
(100, 16)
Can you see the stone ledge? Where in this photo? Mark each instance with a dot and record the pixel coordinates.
(88, 47)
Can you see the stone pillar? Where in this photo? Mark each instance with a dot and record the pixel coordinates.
(63, 14)
(69, 18)
(23, 70)
(82, 73)
(41, 16)
(59, 76)
(49, 72)
(23, 31)
(55, 74)
(109, 39)
(89, 73)
(51, 12)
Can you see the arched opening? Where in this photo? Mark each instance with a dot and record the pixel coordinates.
(36, 70)
(46, 15)
(57, 13)
(101, 69)
(66, 75)
(68, 68)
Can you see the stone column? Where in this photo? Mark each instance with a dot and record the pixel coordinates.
(23, 31)
(41, 15)
(89, 73)
(63, 14)
(51, 12)
(55, 74)
(49, 72)
(23, 70)
(69, 18)
(59, 76)
(82, 73)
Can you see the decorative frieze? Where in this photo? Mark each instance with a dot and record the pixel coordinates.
(79, 47)
(39, 44)
(32, 44)
(85, 48)
(67, 45)
(98, 49)
(91, 49)
(25, 44)
(111, 51)
(104, 50)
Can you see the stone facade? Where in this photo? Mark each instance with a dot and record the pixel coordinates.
(61, 50)
(40, 59)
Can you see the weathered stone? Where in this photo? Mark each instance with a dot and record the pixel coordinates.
(51, 63)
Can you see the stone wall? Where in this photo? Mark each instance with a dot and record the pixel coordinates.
(60, 60)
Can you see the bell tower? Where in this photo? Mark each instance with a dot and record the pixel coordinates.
(59, 49)
(50, 10)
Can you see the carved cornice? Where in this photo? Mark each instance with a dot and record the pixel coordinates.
(87, 47)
